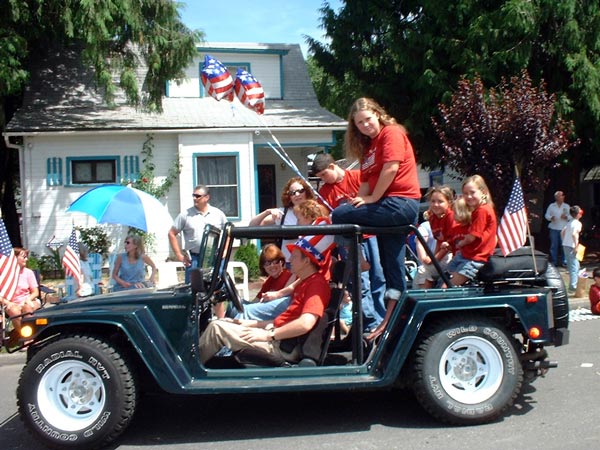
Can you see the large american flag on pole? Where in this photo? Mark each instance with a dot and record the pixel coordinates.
(9, 268)
(71, 261)
(512, 231)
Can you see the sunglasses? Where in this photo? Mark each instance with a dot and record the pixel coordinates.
(199, 195)
(271, 263)
(296, 192)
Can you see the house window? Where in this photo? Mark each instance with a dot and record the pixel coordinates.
(54, 171)
(220, 175)
(93, 170)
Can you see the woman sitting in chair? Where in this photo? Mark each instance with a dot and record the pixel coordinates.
(129, 271)
(26, 297)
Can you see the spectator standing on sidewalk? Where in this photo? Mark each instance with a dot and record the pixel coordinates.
(558, 216)
(570, 240)
(192, 222)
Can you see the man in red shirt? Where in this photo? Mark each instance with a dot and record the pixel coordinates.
(309, 301)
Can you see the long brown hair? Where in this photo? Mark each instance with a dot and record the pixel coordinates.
(356, 143)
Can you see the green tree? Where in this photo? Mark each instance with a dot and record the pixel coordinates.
(115, 37)
(492, 132)
(410, 56)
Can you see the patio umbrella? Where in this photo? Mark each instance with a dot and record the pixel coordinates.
(123, 205)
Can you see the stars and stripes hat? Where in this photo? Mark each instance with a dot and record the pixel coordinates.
(316, 247)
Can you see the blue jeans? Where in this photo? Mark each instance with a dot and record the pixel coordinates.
(373, 284)
(572, 266)
(195, 259)
(265, 311)
(389, 211)
(556, 257)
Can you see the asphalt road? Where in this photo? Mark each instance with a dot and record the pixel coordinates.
(557, 412)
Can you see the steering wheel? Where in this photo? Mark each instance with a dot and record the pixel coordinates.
(232, 292)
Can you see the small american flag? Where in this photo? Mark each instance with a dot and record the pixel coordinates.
(9, 268)
(71, 261)
(512, 231)
(249, 91)
(216, 79)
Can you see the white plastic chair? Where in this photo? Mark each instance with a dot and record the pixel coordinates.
(243, 286)
(167, 274)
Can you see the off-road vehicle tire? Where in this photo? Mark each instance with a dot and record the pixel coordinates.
(77, 392)
(466, 370)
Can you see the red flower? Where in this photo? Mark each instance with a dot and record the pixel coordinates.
(144, 180)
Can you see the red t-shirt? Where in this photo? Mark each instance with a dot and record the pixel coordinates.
(441, 226)
(457, 232)
(310, 296)
(595, 299)
(392, 144)
(483, 227)
(275, 284)
(337, 193)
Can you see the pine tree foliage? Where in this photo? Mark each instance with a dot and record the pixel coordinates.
(117, 37)
(411, 54)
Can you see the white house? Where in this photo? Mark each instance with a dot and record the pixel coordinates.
(69, 140)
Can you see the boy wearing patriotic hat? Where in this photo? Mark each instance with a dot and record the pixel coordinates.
(310, 298)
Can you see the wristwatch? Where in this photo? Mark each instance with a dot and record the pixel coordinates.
(272, 334)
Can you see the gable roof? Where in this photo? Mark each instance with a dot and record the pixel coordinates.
(63, 97)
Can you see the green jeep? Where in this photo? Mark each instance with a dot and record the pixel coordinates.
(464, 351)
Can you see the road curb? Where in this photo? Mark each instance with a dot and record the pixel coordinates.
(13, 358)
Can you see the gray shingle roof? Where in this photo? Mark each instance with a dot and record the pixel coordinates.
(63, 97)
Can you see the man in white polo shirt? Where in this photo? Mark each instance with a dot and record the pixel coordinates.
(558, 216)
(192, 222)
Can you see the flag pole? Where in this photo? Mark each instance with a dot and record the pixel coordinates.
(529, 236)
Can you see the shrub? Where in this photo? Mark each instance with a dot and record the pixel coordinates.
(248, 254)
(95, 239)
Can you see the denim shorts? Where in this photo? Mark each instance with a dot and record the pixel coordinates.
(466, 267)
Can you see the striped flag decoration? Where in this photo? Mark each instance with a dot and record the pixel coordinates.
(9, 268)
(216, 79)
(249, 91)
(71, 261)
(512, 231)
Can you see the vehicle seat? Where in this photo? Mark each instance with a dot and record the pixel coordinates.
(312, 346)
(517, 265)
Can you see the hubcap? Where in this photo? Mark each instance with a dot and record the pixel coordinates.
(471, 370)
(71, 395)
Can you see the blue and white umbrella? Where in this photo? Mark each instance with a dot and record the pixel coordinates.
(123, 205)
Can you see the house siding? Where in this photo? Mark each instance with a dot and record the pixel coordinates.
(45, 207)
(266, 68)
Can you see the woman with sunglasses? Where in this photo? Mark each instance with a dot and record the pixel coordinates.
(129, 271)
(272, 265)
(295, 192)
